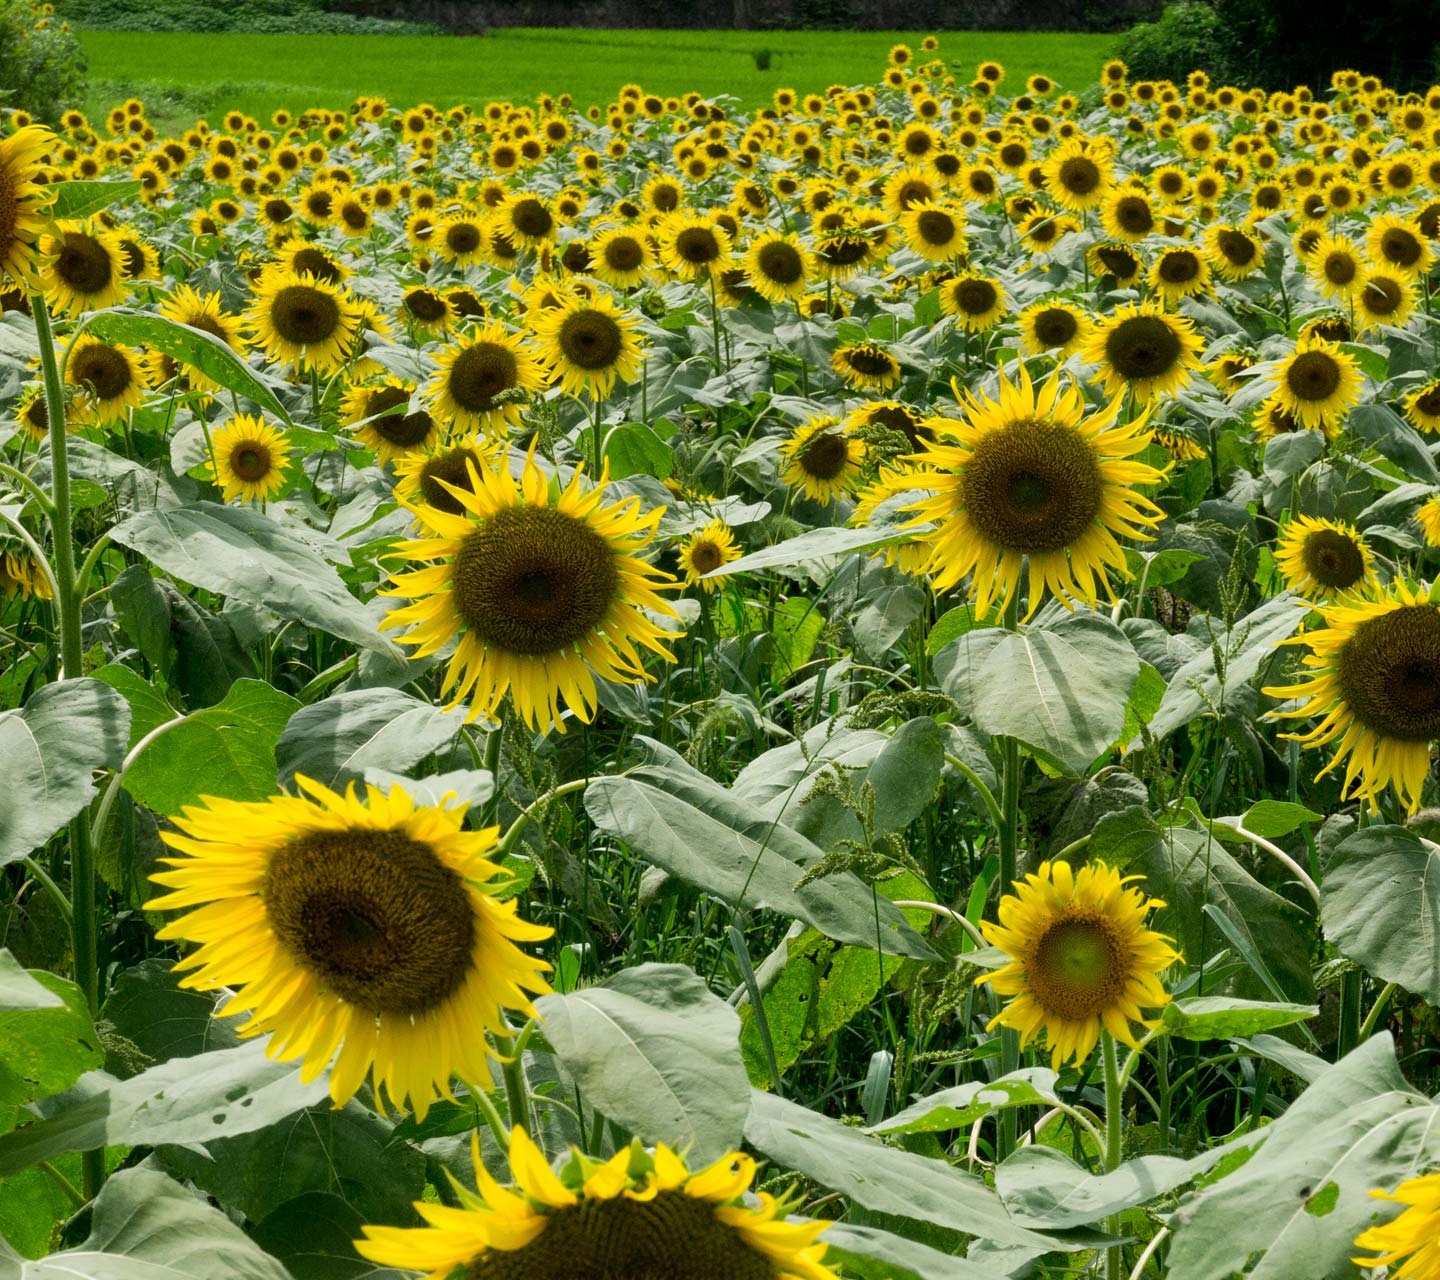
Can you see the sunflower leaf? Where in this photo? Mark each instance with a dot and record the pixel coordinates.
(1219, 1018)
(80, 197)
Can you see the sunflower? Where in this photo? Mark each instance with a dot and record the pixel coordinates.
(693, 245)
(459, 240)
(1413, 1238)
(620, 258)
(204, 312)
(419, 474)
(779, 267)
(932, 231)
(1053, 327)
(249, 458)
(1044, 229)
(641, 1213)
(1273, 419)
(1384, 297)
(866, 366)
(428, 310)
(822, 459)
(301, 258)
(1118, 261)
(1178, 445)
(526, 219)
(24, 200)
(586, 345)
(1180, 272)
(481, 378)
(302, 321)
(545, 594)
(1078, 175)
(1318, 383)
(900, 420)
(1233, 252)
(1321, 559)
(358, 928)
(1399, 245)
(1128, 215)
(1029, 476)
(108, 376)
(21, 574)
(32, 414)
(1375, 679)
(1422, 406)
(85, 268)
(1334, 267)
(705, 550)
(977, 302)
(1145, 350)
(378, 412)
(1427, 516)
(1082, 958)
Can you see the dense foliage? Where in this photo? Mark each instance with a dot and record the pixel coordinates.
(41, 67)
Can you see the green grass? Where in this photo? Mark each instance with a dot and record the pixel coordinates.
(257, 74)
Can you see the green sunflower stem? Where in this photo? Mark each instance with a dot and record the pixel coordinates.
(1114, 1099)
(512, 1068)
(1009, 838)
(84, 932)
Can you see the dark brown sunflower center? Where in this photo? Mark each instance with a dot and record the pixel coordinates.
(533, 580)
(83, 263)
(912, 192)
(1077, 968)
(314, 263)
(825, 456)
(1389, 673)
(697, 245)
(1340, 267)
(1141, 347)
(844, 252)
(1179, 266)
(103, 369)
(251, 461)
(665, 198)
(133, 258)
(375, 915)
(1236, 247)
(898, 418)
(591, 339)
(705, 556)
(207, 323)
(780, 263)
(450, 468)
(623, 253)
(480, 373)
(1133, 213)
(278, 210)
(303, 315)
(1383, 296)
(982, 183)
(1313, 375)
(1119, 262)
(425, 305)
(531, 218)
(870, 361)
(974, 297)
(1032, 486)
(354, 214)
(1080, 175)
(1333, 559)
(935, 227)
(403, 429)
(1013, 154)
(319, 203)
(670, 1237)
(1401, 176)
(1055, 326)
(462, 238)
(9, 212)
(1428, 401)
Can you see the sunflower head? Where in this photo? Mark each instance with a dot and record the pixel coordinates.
(1414, 1235)
(303, 321)
(1318, 383)
(1145, 350)
(587, 344)
(1322, 559)
(86, 267)
(249, 458)
(24, 200)
(866, 366)
(977, 302)
(822, 459)
(706, 550)
(380, 413)
(484, 379)
(1053, 327)
(108, 376)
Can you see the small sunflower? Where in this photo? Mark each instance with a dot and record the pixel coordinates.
(866, 366)
(204, 311)
(1078, 175)
(1118, 261)
(1322, 559)
(587, 345)
(459, 240)
(1427, 516)
(302, 321)
(621, 258)
(24, 200)
(1029, 477)
(778, 267)
(933, 231)
(1317, 383)
(1145, 350)
(1054, 328)
(249, 459)
(1233, 252)
(85, 267)
(378, 413)
(1412, 1239)
(1384, 297)
(361, 932)
(1180, 272)
(32, 414)
(640, 1214)
(1375, 679)
(1399, 245)
(428, 310)
(1335, 267)
(1082, 958)
(705, 550)
(1128, 215)
(1178, 445)
(693, 246)
(545, 593)
(481, 378)
(977, 302)
(109, 378)
(822, 459)
(1422, 406)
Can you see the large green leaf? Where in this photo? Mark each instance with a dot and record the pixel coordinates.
(1061, 691)
(882, 1255)
(1220, 1018)
(336, 740)
(164, 1020)
(314, 1235)
(812, 545)
(964, 1104)
(227, 750)
(80, 197)
(19, 992)
(1295, 1207)
(241, 553)
(657, 1052)
(45, 1050)
(1380, 905)
(51, 748)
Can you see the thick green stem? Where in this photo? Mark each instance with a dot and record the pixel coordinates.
(1114, 1099)
(1009, 838)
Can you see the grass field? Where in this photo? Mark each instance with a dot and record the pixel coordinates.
(257, 74)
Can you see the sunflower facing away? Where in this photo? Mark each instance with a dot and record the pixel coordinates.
(1374, 678)
(639, 1215)
(1029, 476)
(587, 345)
(469, 389)
(1322, 559)
(706, 550)
(1145, 350)
(23, 202)
(250, 457)
(1413, 1238)
(362, 928)
(544, 592)
(1082, 958)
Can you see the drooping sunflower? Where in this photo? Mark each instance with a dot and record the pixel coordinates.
(822, 459)
(779, 267)
(587, 345)
(1028, 476)
(23, 204)
(620, 257)
(1144, 349)
(976, 301)
(109, 377)
(1318, 383)
(1322, 559)
(378, 413)
(204, 311)
(302, 321)
(1082, 958)
(705, 550)
(85, 268)
(21, 574)
(250, 457)
(355, 931)
(1180, 272)
(1374, 677)
(866, 366)
(933, 231)
(1078, 175)
(545, 593)
(1422, 406)
(640, 1214)
(1053, 327)
(480, 377)
(1412, 1239)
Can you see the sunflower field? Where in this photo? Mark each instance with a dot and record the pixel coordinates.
(663, 693)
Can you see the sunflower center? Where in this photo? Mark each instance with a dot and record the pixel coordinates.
(1078, 967)
(1429, 402)
(1333, 560)
(870, 361)
(974, 297)
(1382, 296)
(705, 556)
(103, 369)
(697, 245)
(531, 218)
(207, 323)
(780, 263)
(83, 263)
(278, 210)
(1080, 175)
(898, 418)
(1119, 262)
(405, 430)
(251, 461)
(314, 263)
(303, 315)
(1179, 266)
(9, 210)
(1237, 247)
(425, 305)
(1339, 267)
(624, 254)
(1389, 673)
(1142, 347)
(1313, 375)
(825, 456)
(1055, 326)
(1032, 486)
(134, 257)
(1134, 215)
(375, 915)
(670, 1237)
(449, 467)
(480, 373)
(534, 580)
(935, 227)
(591, 339)
(355, 215)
